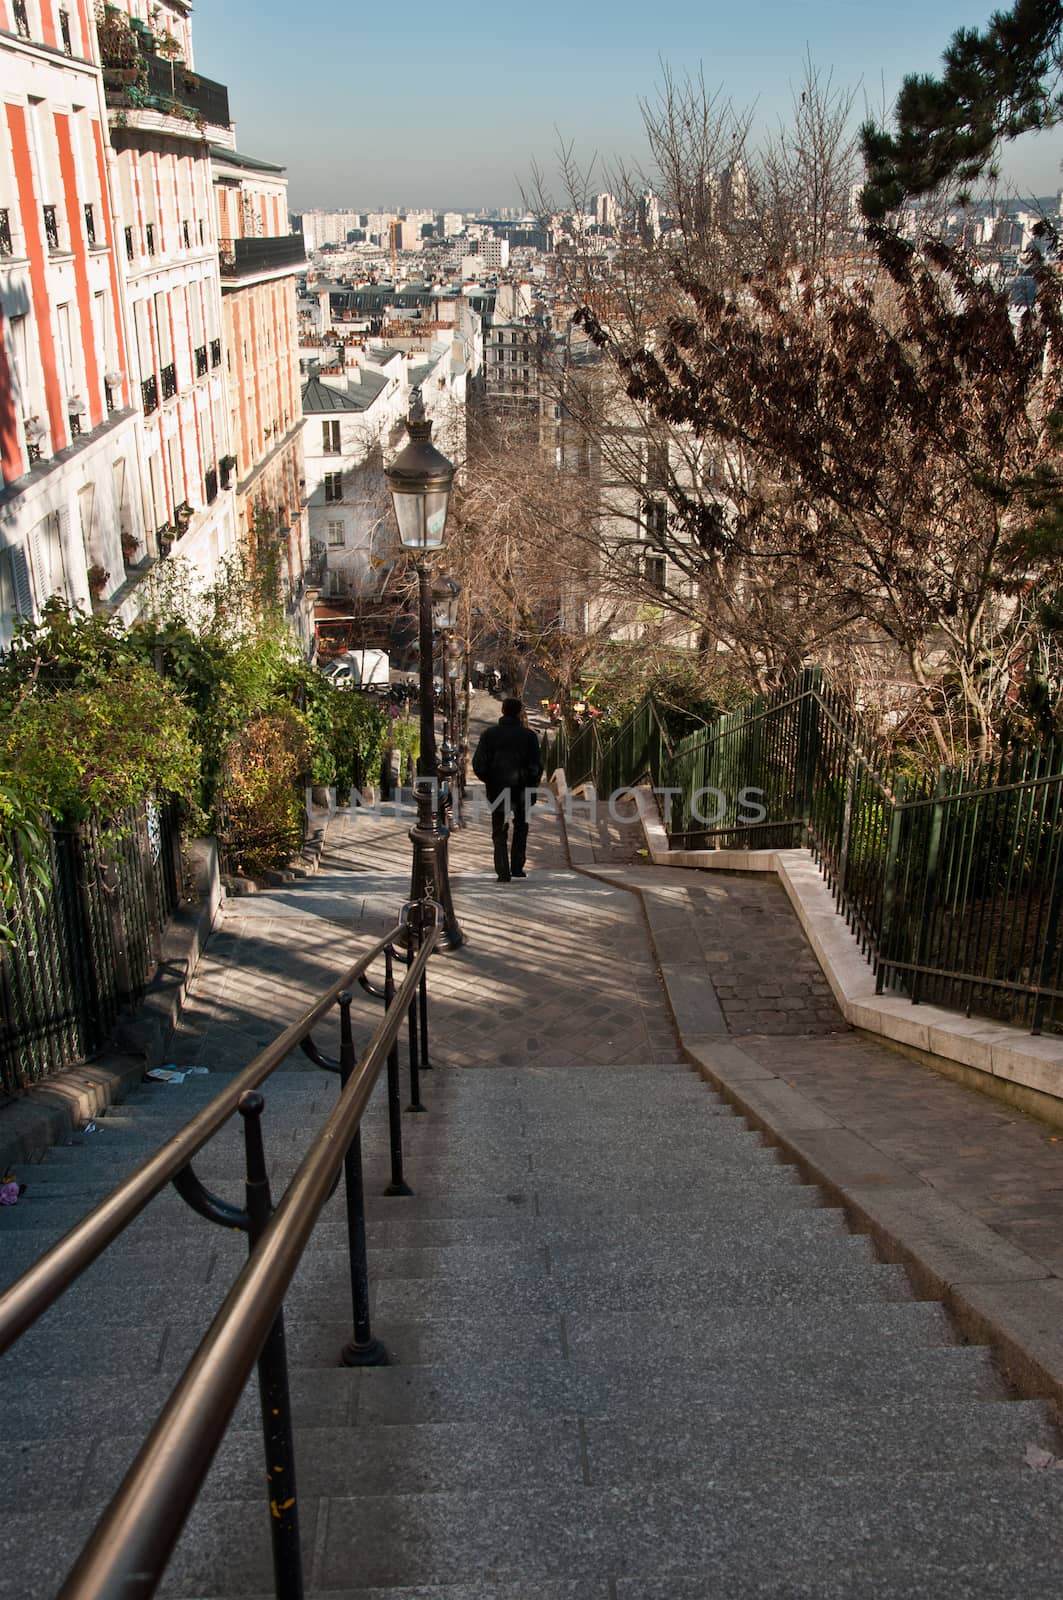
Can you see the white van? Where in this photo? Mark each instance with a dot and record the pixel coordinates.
(360, 669)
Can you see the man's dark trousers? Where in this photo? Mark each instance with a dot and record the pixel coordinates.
(509, 858)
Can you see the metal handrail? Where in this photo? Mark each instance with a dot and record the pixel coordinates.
(42, 1284)
(134, 1538)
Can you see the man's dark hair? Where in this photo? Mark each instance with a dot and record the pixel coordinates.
(512, 708)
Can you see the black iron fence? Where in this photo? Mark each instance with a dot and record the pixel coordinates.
(951, 882)
(89, 944)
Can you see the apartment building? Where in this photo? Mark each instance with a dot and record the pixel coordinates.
(71, 508)
(353, 423)
(260, 260)
(160, 123)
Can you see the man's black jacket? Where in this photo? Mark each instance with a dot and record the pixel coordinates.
(507, 757)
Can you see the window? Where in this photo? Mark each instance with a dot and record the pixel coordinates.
(129, 249)
(333, 487)
(51, 227)
(657, 464)
(150, 234)
(6, 247)
(64, 30)
(655, 571)
(186, 236)
(22, 21)
(655, 517)
(337, 533)
(90, 226)
(330, 438)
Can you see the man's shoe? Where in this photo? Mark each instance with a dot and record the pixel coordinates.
(500, 879)
(520, 874)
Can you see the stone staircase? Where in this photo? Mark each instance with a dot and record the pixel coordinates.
(635, 1359)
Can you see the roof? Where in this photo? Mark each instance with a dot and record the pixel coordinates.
(218, 152)
(420, 370)
(318, 396)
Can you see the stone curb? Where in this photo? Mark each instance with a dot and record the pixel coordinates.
(998, 1295)
(48, 1113)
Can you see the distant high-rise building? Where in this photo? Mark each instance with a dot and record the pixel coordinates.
(328, 227)
(452, 223)
(736, 196)
(605, 210)
(649, 217)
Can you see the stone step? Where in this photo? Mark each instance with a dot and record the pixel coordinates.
(478, 1334)
(103, 1295)
(946, 1534)
(185, 1248)
(953, 1535)
(722, 1449)
(732, 1380)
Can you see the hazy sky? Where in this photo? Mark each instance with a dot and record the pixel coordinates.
(430, 105)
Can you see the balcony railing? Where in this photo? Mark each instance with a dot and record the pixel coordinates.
(90, 226)
(22, 21)
(202, 363)
(169, 381)
(149, 392)
(210, 484)
(246, 257)
(215, 352)
(130, 248)
(6, 247)
(51, 227)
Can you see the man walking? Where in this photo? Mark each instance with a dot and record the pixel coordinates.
(509, 764)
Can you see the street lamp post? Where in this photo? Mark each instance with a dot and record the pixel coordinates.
(420, 479)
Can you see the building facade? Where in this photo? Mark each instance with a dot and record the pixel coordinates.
(162, 182)
(71, 506)
(260, 260)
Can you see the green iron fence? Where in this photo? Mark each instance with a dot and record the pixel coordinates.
(90, 944)
(952, 884)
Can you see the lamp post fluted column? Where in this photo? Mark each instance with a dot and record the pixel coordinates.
(420, 480)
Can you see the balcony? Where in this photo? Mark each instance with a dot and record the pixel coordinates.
(202, 363)
(252, 258)
(6, 246)
(169, 381)
(215, 352)
(51, 227)
(152, 83)
(149, 393)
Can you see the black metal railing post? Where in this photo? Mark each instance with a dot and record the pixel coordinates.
(414, 936)
(398, 1184)
(363, 1350)
(273, 1391)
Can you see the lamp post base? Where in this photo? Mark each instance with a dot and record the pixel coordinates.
(430, 879)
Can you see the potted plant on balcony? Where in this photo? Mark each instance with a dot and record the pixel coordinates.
(118, 45)
(170, 50)
(182, 516)
(130, 546)
(165, 536)
(98, 579)
(226, 466)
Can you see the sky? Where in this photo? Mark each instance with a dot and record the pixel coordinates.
(451, 107)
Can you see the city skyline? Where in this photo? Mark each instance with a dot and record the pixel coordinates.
(461, 126)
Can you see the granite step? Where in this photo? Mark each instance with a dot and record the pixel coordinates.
(953, 1535)
(723, 1449)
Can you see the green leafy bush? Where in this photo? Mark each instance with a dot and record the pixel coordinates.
(260, 801)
